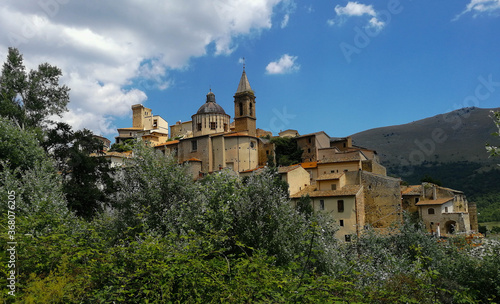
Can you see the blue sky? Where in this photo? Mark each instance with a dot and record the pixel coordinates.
(338, 66)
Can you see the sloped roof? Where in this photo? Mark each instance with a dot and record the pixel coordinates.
(329, 176)
(412, 190)
(308, 165)
(168, 143)
(343, 157)
(438, 201)
(288, 168)
(347, 190)
(244, 85)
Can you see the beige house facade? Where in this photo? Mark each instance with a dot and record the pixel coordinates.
(443, 211)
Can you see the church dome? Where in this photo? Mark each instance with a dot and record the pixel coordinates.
(211, 107)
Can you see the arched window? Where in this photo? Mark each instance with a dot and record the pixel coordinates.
(430, 211)
(251, 109)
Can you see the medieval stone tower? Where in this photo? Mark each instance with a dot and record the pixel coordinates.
(244, 108)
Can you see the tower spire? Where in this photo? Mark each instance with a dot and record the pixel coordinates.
(244, 85)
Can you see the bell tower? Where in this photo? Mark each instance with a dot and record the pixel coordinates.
(244, 107)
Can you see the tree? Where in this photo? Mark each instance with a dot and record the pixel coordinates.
(287, 151)
(18, 149)
(87, 179)
(29, 99)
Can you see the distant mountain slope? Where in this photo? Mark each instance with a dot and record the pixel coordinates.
(452, 137)
(448, 148)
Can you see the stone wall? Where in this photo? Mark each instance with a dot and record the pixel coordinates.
(382, 199)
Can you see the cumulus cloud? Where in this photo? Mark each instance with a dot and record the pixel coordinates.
(356, 9)
(110, 52)
(478, 7)
(285, 65)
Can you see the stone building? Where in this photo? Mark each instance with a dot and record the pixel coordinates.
(440, 208)
(343, 174)
(146, 126)
(209, 143)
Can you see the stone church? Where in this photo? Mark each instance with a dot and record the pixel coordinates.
(210, 142)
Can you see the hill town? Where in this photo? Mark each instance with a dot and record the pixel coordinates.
(339, 177)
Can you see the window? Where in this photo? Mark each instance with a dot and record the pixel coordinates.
(252, 144)
(194, 145)
(309, 140)
(340, 205)
(309, 150)
(347, 237)
(341, 223)
(198, 126)
(225, 127)
(321, 204)
(213, 125)
(430, 211)
(155, 123)
(334, 187)
(446, 209)
(417, 199)
(241, 109)
(251, 109)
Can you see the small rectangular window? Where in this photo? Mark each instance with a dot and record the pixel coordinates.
(341, 223)
(194, 145)
(213, 125)
(198, 126)
(347, 237)
(340, 205)
(334, 187)
(321, 204)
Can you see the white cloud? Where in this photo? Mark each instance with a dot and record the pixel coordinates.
(285, 20)
(105, 47)
(356, 9)
(478, 7)
(286, 64)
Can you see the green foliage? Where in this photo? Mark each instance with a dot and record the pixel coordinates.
(87, 180)
(29, 99)
(19, 149)
(427, 178)
(287, 151)
(127, 145)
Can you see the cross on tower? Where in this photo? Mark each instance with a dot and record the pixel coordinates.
(243, 59)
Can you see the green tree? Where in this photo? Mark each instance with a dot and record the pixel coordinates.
(18, 150)
(29, 99)
(287, 151)
(87, 178)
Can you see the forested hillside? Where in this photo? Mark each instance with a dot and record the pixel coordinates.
(448, 148)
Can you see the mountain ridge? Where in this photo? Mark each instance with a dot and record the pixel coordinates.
(456, 136)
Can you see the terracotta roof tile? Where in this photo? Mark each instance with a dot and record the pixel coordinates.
(342, 157)
(329, 176)
(438, 201)
(287, 169)
(308, 165)
(412, 190)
